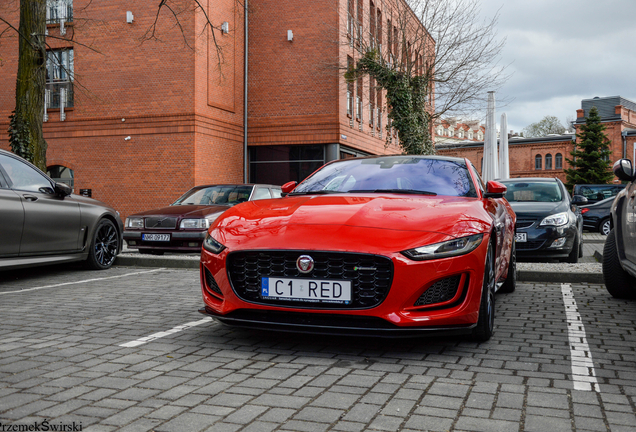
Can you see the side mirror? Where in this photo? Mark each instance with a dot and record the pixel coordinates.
(579, 200)
(495, 189)
(62, 189)
(623, 169)
(288, 187)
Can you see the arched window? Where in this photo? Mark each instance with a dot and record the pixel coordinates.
(548, 161)
(470, 135)
(558, 161)
(537, 162)
(61, 174)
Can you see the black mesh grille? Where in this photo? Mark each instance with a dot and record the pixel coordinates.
(441, 291)
(370, 275)
(529, 245)
(161, 222)
(211, 284)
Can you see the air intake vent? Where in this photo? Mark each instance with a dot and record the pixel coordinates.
(211, 284)
(441, 291)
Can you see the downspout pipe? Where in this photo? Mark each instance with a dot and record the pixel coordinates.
(624, 136)
(245, 64)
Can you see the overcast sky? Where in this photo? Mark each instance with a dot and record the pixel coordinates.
(563, 51)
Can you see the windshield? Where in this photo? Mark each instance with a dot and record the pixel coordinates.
(397, 174)
(533, 191)
(223, 195)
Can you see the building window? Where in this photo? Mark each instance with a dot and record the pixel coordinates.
(372, 18)
(537, 162)
(548, 161)
(61, 174)
(470, 135)
(359, 99)
(59, 78)
(350, 15)
(558, 161)
(349, 89)
(58, 11)
(372, 94)
(360, 11)
(280, 164)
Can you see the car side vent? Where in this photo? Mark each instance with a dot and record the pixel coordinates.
(441, 291)
(211, 286)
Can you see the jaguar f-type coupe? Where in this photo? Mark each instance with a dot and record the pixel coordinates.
(378, 246)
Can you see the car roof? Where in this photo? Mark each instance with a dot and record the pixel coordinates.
(235, 184)
(401, 156)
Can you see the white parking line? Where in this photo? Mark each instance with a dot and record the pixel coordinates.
(79, 282)
(583, 373)
(155, 336)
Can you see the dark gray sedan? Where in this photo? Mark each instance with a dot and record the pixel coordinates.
(44, 223)
(549, 222)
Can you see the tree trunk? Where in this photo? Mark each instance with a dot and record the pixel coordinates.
(29, 92)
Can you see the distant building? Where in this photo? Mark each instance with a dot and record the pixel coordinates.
(546, 156)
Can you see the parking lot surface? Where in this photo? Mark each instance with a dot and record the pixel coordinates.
(126, 349)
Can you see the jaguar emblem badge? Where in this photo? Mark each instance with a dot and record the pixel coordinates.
(305, 264)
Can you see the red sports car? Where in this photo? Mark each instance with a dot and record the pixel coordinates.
(390, 245)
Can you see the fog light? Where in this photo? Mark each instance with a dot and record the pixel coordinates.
(193, 244)
(132, 242)
(558, 243)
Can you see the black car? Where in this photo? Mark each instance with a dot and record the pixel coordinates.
(597, 192)
(619, 252)
(43, 223)
(597, 217)
(549, 223)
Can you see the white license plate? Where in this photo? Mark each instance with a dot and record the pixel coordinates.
(521, 237)
(306, 290)
(155, 237)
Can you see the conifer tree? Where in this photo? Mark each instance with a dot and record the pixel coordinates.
(590, 156)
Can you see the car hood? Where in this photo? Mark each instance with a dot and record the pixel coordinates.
(350, 222)
(538, 209)
(192, 211)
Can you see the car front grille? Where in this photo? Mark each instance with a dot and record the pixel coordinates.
(161, 222)
(441, 291)
(370, 275)
(524, 223)
(529, 245)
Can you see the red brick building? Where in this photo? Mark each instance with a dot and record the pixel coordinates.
(546, 156)
(140, 123)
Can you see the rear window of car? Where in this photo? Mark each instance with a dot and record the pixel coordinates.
(533, 192)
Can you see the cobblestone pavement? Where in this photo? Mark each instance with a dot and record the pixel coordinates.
(61, 360)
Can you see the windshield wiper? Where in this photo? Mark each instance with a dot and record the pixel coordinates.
(320, 192)
(397, 191)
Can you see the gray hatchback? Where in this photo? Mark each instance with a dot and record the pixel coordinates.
(43, 223)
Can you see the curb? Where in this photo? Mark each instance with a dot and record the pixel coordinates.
(522, 275)
(563, 277)
(129, 261)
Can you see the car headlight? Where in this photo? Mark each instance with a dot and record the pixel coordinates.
(555, 219)
(194, 224)
(134, 222)
(212, 245)
(445, 249)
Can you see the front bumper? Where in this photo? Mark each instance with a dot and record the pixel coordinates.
(540, 241)
(396, 314)
(327, 324)
(180, 241)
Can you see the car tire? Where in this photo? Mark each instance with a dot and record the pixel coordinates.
(486, 321)
(103, 246)
(581, 247)
(510, 284)
(605, 226)
(618, 282)
(573, 258)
